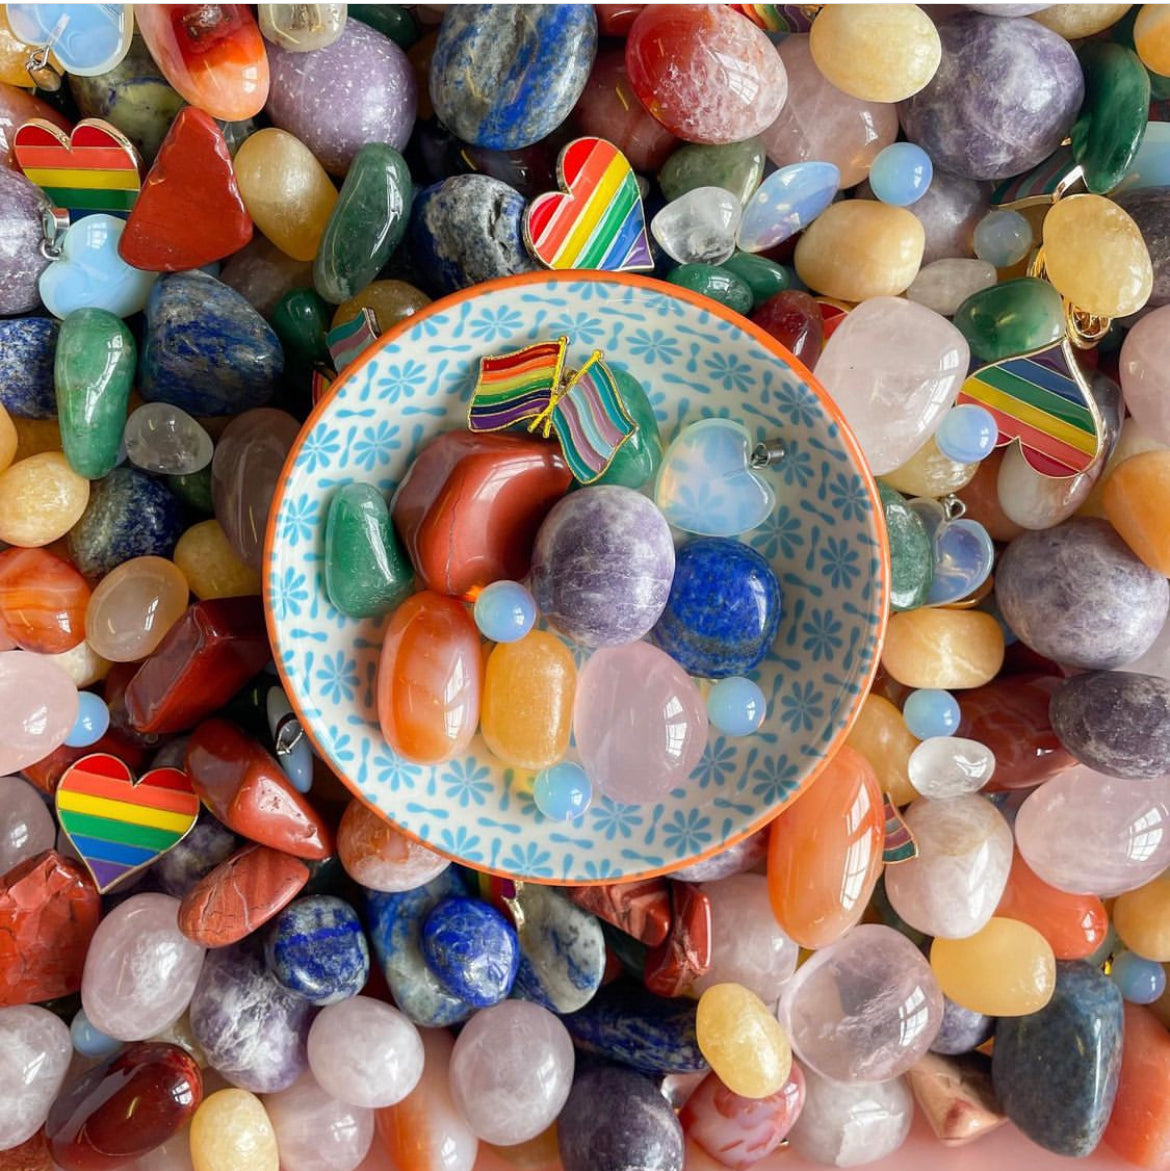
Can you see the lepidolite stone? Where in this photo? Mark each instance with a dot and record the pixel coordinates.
(21, 259)
(1149, 208)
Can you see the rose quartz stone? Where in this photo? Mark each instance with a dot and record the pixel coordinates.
(315, 1132)
(35, 1051)
(1145, 373)
(26, 825)
(38, 706)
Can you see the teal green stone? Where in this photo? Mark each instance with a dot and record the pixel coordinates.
(911, 552)
(194, 490)
(1011, 318)
(1112, 121)
(301, 320)
(391, 20)
(765, 278)
(93, 373)
(636, 462)
(368, 222)
(720, 284)
(367, 572)
(737, 167)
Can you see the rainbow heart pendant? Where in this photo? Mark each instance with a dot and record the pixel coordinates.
(597, 221)
(119, 826)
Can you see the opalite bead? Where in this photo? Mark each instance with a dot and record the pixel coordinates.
(949, 649)
(1141, 919)
(901, 174)
(504, 611)
(1075, 925)
(301, 28)
(26, 826)
(91, 1042)
(315, 1132)
(699, 227)
(639, 721)
(379, 857)
(736, 705)
(865, 1008)
(786, 203)
(950, 766)
(967, 433)
(164, 439)
(894, 369)
(133, 607)
(563, 791)
(93, 718)
(943, 285)
(231, 1132)
(1003, 238)
(367, 572)
(1006, 969)
(1140, 981)
(1144, 375)
(930, 712)
(211, 566)
(743, 1042)
(850, 1125)
(42, 601)
(365, 1052)
(38, 706)
(34, 1056)
(41, 499)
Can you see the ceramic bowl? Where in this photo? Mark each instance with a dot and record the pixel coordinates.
(825, 539)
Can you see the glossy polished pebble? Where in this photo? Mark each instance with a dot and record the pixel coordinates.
(1131, 495)
(1140, 981)
(1144, 375)
(967, 433)
(41, 499)
(34, 1058)
(1075, 925)
(930, 473)
(38, 707)
(1002, 238)
(93, 718)
(943, 285)
(930, 712)
(1006, 969)
(736, 705)
(302, 28)
(699, 227)
(948, 649)
(562, 792)
(504, 611)
(786, 203)
(231, 1132)
(164, 439)
(962, 1030)
(42, 601)
(901, 174)
(850, 1125)
(88, 1041)
(1141, 919)
(316, 948)
(26, 826)
(472, 949)
(950, 766)
(315, 1132)
(881, 736)
(743, 1042)
(211, 566)
(133, 607)
(380, 857)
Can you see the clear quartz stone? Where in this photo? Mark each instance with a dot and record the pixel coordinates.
(949, 766)
(163, 439)
(699, 227)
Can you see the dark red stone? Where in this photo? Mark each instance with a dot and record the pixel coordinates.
(124, 1108)
(49, 910)
(794, 319)
(685, 955)
(640, 909)
(31, 1155)
(189, 211)
(205, 658)
(47, 772)
(614, 20)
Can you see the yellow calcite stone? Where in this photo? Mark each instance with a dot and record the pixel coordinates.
(1073, 21)
(36, 435)
(860, 248)
(881, 736)
(287, 192)
(212, 567)
(231, 1132)
(876, 52)
(930, 473)
(951, 649)
(527, 707)
(1135, 500)
(1095, 256)
(1005, 969)
(742, 1041)
(9, 440)
(1142, 919)
(41, 499)
(1151, 37)
(389, 301)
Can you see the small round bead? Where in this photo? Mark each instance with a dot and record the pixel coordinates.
(93, 718)
(901, 174)
(88, 1041)
(1003, 238)
(1139, 980)
(736, 706)
(505, 611)
(967, 433)
(562, 792)
(930, 712)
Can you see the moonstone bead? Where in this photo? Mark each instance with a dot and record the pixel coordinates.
(26, 825)
(848, 1125)
(231, 1132)
(35, 1051)
(944, 285)
(141, 970)
(315, 1132)
(894, 369)
(699, 227)
(949, 766)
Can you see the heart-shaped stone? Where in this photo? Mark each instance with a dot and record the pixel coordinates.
(706, 485)
(87, 39)
(189, 211)
(120, 826)
(93, 169)
(963, 552)
(599, 223)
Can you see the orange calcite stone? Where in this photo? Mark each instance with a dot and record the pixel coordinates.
(1141, 919)
(949, 649)
(430, 679)
(881, 736)
(1139, 1127)
(1135, 504)
(1075, 925)
(825, 852)
(42, 601)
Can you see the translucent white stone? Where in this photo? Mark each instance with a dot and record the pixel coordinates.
(35, 1051)
(26, 825)
(1034, 501)
(786, 202)
(950, 766)
(163, 438)
(945, 284)
(699, 227)
(316, 1132)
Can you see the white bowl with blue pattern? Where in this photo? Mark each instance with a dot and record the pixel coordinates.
(825, 539)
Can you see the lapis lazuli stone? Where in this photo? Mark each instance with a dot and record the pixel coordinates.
(472, 949)
(205, 348)
(316, 948)
(723, 610)
(1056, 1070)
(506, 75)
(27, 349)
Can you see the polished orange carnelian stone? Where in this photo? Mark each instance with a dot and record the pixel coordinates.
(42, 601)
(1139, 1127)
(1075, 925)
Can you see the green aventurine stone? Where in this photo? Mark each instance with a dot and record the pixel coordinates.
(637, 460)
(764, 277)
(391, 20)
(93, 373)
(367, 224)
(367, 573)
(1015, 317)
(1112, 121)
(737, 167)
(720, 284)
(301, 320)
(911, 554)
(194, 490)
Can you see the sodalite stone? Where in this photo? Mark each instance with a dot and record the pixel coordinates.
(316, 948)
(472, 949)
(723, 610)
(129, 515)
(505, 75)
(562, 951)
(1150, 209)
(468, 229)
(1030, 89)
(27, 349)
(1056, 1070)
(205, 348)
(394, 923)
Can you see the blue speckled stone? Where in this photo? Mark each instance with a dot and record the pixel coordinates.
(648, 1033)
(506, 75)
(207, 845)
(562, 951)
(128, 515)
(1056, 1070)
(468, 229)
(961, 1030)
(394, 924)
(723, 610)
(205, 348)
(472, 949)
(27, 348)
(316, 948)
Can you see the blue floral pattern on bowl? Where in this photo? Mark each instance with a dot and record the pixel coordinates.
(825, 539)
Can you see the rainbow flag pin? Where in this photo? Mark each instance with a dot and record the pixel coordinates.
(900, 845)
